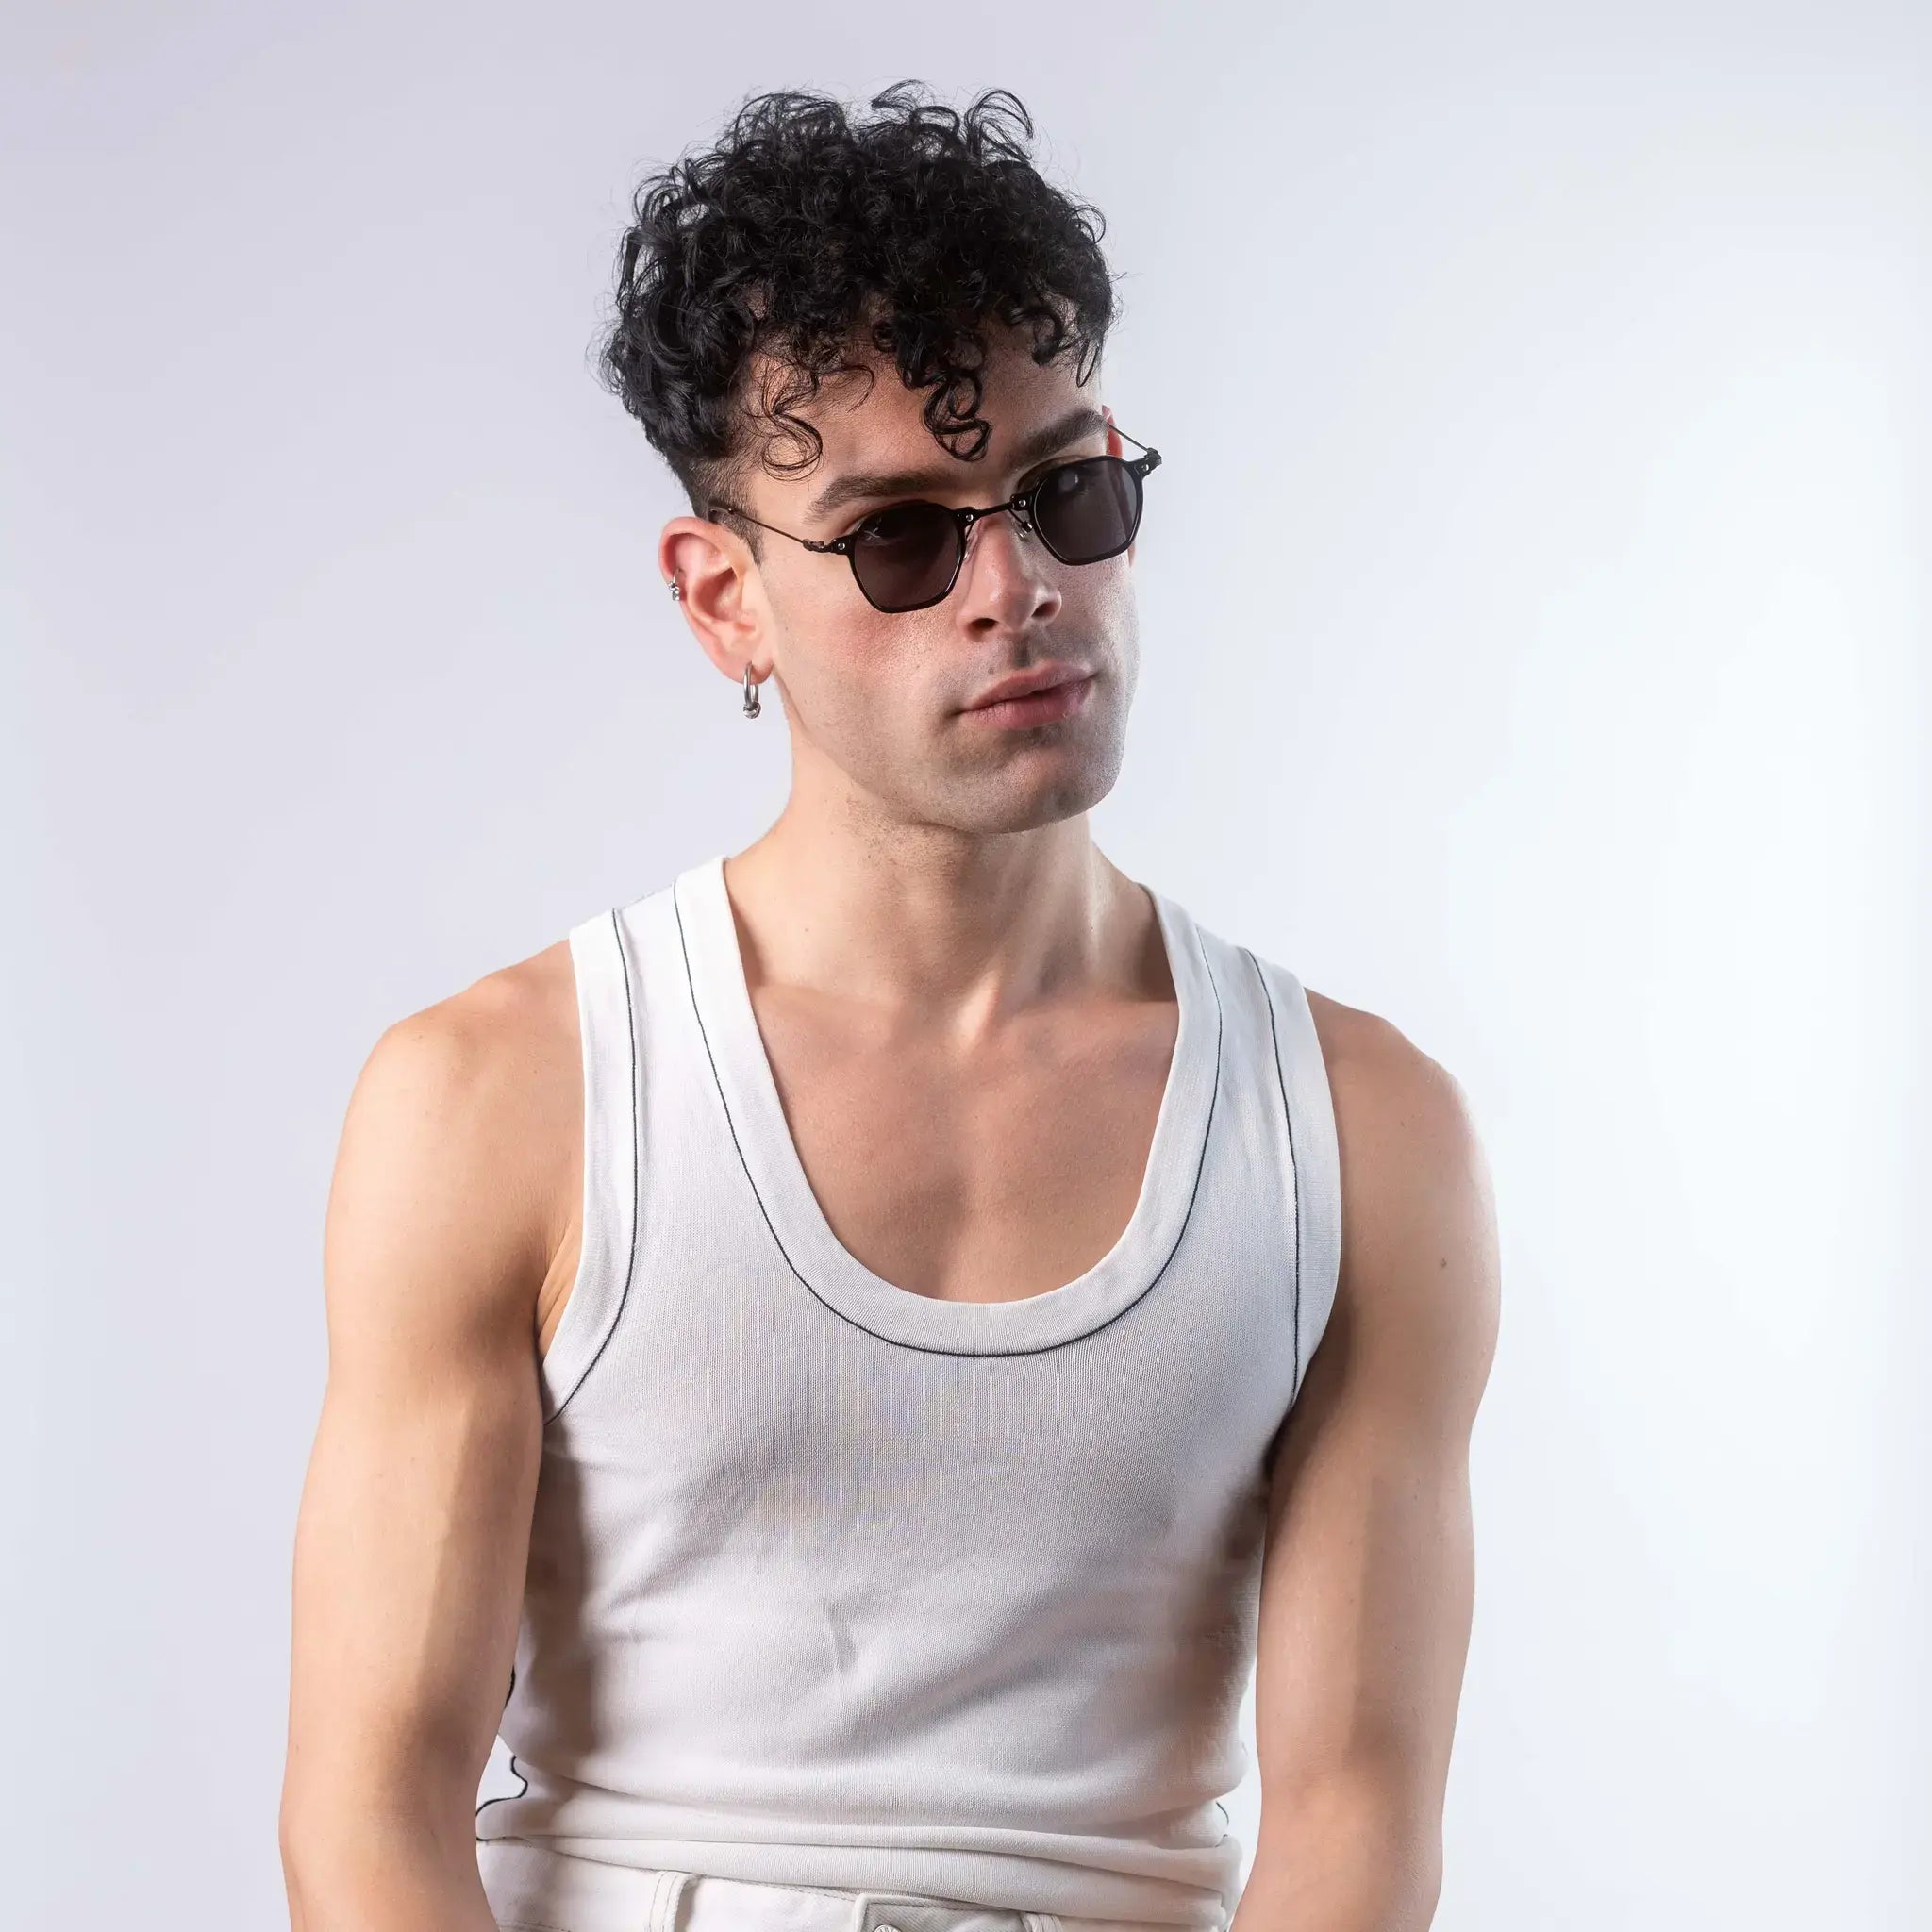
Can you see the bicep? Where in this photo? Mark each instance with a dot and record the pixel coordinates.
(413, 1527)
(1368, 1573)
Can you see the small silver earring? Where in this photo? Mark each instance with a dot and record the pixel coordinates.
(751, 693)
(676, 590)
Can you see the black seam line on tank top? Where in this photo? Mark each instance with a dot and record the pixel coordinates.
(637, 1135)
(502, 1797)
(1294, 1168)
(925, 1348)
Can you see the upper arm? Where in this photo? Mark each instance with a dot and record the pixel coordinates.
(444, 1213)
(1368, 1573)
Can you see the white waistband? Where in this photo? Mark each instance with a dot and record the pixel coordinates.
(532, 1889)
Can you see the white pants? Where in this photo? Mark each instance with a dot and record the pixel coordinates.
(534, 1890)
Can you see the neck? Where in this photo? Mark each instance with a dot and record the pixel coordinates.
(933, 924)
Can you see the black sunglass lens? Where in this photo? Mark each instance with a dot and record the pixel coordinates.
(904, 556)
(1088, 510)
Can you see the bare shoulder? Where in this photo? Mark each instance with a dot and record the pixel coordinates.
(1385, 1088)
(1418, 1249)
(491, 1064)
(454, 1179)
(510, 1034)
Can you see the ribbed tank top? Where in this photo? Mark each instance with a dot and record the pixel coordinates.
(832, 1583)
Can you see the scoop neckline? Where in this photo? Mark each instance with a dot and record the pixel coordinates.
(821, 1261)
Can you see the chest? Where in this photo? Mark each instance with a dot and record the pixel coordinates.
(985, 1175)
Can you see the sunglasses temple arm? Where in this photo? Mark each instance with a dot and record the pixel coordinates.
(776, 531)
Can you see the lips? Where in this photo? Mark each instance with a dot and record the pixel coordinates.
(1023, 683)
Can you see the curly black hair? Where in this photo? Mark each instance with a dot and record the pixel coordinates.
(805, 228)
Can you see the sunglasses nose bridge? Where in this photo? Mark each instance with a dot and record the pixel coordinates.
(966, 522)
(1019, 508)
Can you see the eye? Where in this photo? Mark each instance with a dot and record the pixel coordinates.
(1071, 473)
(900, 522)
(1074, 475)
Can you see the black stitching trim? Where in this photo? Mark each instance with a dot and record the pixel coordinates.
(505, 1797)
(637, 1205)
(1294, 1171)
(923, 1348)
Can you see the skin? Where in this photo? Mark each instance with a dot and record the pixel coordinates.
(969, 1017)
(1368, 1577)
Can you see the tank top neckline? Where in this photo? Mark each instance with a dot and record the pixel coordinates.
(714, 968)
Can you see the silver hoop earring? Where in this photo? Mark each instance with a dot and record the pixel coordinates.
(751, 695)
(676, 590)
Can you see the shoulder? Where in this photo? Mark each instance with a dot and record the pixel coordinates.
(1381, 1082)
(1418, 1259)
(1403, 1128)
(1385, 1089)
(505, 1041)
(463, 1126)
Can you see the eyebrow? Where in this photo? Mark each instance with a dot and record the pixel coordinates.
(1076, 423)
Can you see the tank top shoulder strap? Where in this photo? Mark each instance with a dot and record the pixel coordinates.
(604, 960)
(1314, 1153)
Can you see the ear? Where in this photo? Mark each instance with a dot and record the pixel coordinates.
(720, 594)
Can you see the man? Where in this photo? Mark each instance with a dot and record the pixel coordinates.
(860, 1340)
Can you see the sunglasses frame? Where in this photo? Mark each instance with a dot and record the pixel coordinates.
(1019, 504)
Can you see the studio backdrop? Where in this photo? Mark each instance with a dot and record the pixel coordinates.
(1534, 635)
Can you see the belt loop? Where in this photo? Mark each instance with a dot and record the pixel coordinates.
(667, 1890)
(1041, 1922)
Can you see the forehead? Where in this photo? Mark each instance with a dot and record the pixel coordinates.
(873, 432)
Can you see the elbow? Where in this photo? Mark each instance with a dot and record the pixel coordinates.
(1357, 1852)
(317, 1852)
(376, 1866)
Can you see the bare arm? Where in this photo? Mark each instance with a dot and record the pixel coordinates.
(413, 1531)
(1367, 1579)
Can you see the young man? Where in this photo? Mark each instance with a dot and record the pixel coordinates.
(871, 1340)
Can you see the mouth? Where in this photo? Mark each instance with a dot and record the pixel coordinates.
(1040, 696)
(1023, 684)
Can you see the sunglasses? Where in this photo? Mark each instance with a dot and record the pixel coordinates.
(907, 557)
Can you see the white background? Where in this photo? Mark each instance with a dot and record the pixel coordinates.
(1534, 618)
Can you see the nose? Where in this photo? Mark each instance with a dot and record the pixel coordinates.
(1007, 572)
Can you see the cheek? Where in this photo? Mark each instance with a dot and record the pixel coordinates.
(856, 672)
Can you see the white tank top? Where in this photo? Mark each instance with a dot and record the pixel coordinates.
(832, 1583)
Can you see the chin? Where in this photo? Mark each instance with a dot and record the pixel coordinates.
(1029, 795)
